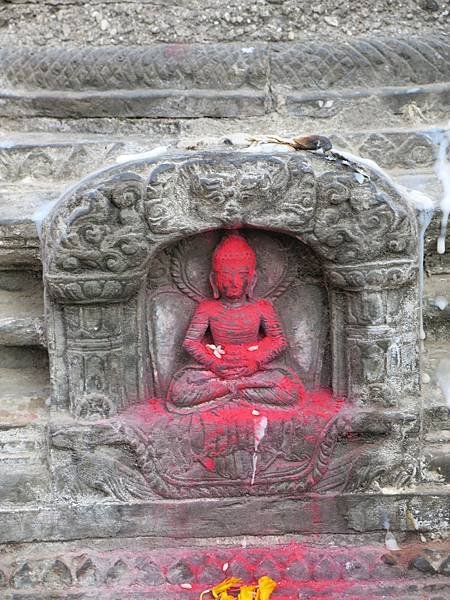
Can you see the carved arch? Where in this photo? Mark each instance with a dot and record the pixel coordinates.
(102, 235)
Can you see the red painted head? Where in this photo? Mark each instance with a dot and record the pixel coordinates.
(233, 268)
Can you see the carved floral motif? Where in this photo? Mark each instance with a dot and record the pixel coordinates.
(105, 232)
(357, 221)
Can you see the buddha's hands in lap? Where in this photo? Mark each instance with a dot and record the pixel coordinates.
(229, 370)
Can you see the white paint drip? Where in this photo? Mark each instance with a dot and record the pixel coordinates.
(260, 426)
(41, 214)
(443, 172)
(155, 153)
(390, 542)
(386, 525)
(426, 378)
(268, 148)
(443, 378)
(440, 302)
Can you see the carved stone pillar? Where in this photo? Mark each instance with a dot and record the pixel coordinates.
(95, 359)
(375, 330)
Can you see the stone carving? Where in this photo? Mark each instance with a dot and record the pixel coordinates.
(127, 261)
(55, 161)
(160, 571)
(404, 150)
(245, 339)
(352, 212)
(171, 66)
(361, 63)
(105, 232)
(226, 194)
(177, 80)
(286, 274)
(374, 276)
(97, 467)
(308, 65)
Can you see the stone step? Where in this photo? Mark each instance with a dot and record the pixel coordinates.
(325, 566)
(69, 156)
(24, 401)
(24, 396)
(309, 79)
(21, 309)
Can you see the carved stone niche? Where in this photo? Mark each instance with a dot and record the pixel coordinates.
(127, 257)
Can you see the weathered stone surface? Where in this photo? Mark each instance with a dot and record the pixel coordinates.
(57, 575)
(205, 563)
(249, 516)
(355, 569)
(299, 570)
(96, 265)
(110, 22)
(158, 81)
(21, 310)
(23, 357)
(86, 573)
(223, 67)
(444, 569)
(326, 568)
(370, 63)
(117, 573)
(61, 158)
(421, 563)
(179, 572)
(150, 573)
(222, 80)
(110, 472)
(394, 149)
(46, 572)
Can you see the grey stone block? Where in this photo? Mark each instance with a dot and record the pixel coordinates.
(149, 572)
(179, 572)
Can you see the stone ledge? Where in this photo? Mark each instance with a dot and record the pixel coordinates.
(347, 568)
(229, 66)
(422, 509)
(65, 157)
(221, 80)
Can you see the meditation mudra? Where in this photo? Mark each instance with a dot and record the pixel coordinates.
(234, 340)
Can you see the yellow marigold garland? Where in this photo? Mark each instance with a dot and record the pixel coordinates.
(222, 591)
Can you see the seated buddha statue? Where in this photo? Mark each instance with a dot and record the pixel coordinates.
(235, 341)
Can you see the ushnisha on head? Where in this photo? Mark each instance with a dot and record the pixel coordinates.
(233, 274)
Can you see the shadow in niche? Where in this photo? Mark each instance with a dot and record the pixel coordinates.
(237, 445)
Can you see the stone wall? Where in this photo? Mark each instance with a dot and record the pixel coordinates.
(82, 85)
(75, 22)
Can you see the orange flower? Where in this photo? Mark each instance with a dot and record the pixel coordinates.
(247, 592)
(226, 596)
(265, 588)
(224, 586)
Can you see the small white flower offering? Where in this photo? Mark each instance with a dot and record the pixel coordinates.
(218, 351)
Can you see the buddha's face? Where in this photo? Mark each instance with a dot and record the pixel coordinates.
(233, 282)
